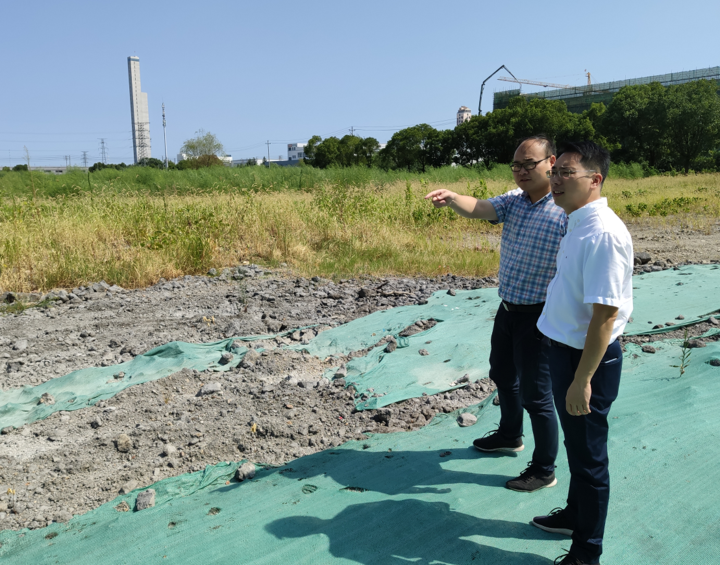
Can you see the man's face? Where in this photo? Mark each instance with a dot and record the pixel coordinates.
(580, 188)
(535, 180)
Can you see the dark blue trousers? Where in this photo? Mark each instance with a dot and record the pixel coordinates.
(519, 368)
(586, 445)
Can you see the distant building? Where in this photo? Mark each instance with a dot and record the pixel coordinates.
(226, 159)
(463, 115)
(581, 98)
(244, 162)
(296, 151)
(139, 113)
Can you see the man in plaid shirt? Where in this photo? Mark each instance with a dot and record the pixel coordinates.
(533, 228)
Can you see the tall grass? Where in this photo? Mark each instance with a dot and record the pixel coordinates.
(132, 237)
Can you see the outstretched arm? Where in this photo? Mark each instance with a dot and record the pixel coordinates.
(466, 206)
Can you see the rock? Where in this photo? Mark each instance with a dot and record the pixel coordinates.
(295, 336)
(466, 419)
(245, 471)
(20, 345)
(119, 375)
(6, 430)
(250, 359)
(341, 372)
(366, 292)
(695, 343)
(423, 352)
(63, 516)
(47, 398)
(340, 383)
(658, 326)
(714, 321)
(643, 257)
(123, 443)
(146, 499)
(648, 349)
(114, 344)
(226, 357)
(452, 292)
(680, 317)
(129, 486)
(123, 507)
(715, 362)
(96, 422)
(391, 346)
(210, 388)
(212, 272)
(169, 450)
(496, 400)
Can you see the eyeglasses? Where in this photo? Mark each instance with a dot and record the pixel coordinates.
(567, 173)
(529, 166)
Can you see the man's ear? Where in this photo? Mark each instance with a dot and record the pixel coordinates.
(597, 180)
(552, 160)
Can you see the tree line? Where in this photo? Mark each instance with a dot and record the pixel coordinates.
(661, 128)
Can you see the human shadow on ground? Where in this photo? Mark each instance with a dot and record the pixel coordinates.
(398, 531)
(394, 472)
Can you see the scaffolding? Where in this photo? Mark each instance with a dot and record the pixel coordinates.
(580, 98)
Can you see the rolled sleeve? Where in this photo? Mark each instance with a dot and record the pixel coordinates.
(605, 271)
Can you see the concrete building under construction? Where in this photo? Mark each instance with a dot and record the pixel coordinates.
(138, 112)
(580, 98)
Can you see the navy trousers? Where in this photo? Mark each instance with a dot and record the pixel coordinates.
(519, 368)
(586, 445)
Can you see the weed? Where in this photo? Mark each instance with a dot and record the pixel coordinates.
(684, 355)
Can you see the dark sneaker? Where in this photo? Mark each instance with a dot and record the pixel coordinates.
(557, 522)
(532, 479)
(568, 559)
(495, 441)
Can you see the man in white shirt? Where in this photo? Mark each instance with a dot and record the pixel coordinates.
(588, 304)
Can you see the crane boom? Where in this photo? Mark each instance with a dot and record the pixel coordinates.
(535, 82)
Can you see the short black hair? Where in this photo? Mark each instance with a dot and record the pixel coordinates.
(591, 154)
(546, 142)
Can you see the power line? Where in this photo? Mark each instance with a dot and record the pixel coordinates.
(85, 159)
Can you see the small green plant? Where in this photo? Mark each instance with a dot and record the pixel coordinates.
(684, 355)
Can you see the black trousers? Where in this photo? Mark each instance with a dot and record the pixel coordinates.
(519, 368)
(586, 445)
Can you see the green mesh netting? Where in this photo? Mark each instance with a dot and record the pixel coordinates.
(85, 387)
(428, 497)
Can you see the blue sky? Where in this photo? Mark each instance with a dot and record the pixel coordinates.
(286, 70)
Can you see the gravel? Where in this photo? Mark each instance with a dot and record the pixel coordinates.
(271, 409)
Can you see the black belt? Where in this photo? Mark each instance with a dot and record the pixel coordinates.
(534, 308)
(558, 344)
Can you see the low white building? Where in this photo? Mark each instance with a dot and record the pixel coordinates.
(296, 151)
(226, 159)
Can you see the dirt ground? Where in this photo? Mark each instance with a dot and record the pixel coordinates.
(273, 408)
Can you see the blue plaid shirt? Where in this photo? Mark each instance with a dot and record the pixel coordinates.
(529, 245)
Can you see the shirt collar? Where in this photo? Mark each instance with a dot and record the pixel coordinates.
(576, 217)
(526, 197)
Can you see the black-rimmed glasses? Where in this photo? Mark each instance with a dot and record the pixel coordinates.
(528, 166)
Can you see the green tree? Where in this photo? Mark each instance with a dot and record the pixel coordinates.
(20, 168)
(202, 144)
(692, 121)
(635, 121)
(310, 147)
(327, 153)
(151, 162)
(416, 148)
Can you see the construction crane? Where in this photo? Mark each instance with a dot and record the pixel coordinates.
(535, 82)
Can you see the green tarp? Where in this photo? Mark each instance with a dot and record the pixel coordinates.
(428, 497)
(85, 387)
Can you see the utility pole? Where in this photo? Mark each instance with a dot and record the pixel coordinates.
(268, 144)
(165, 136)
(352, 131)
(102, 151)
(85, 159)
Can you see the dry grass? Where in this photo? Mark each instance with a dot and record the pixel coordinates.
(336, 231)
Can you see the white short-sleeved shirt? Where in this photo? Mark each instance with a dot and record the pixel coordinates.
(594, 266)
